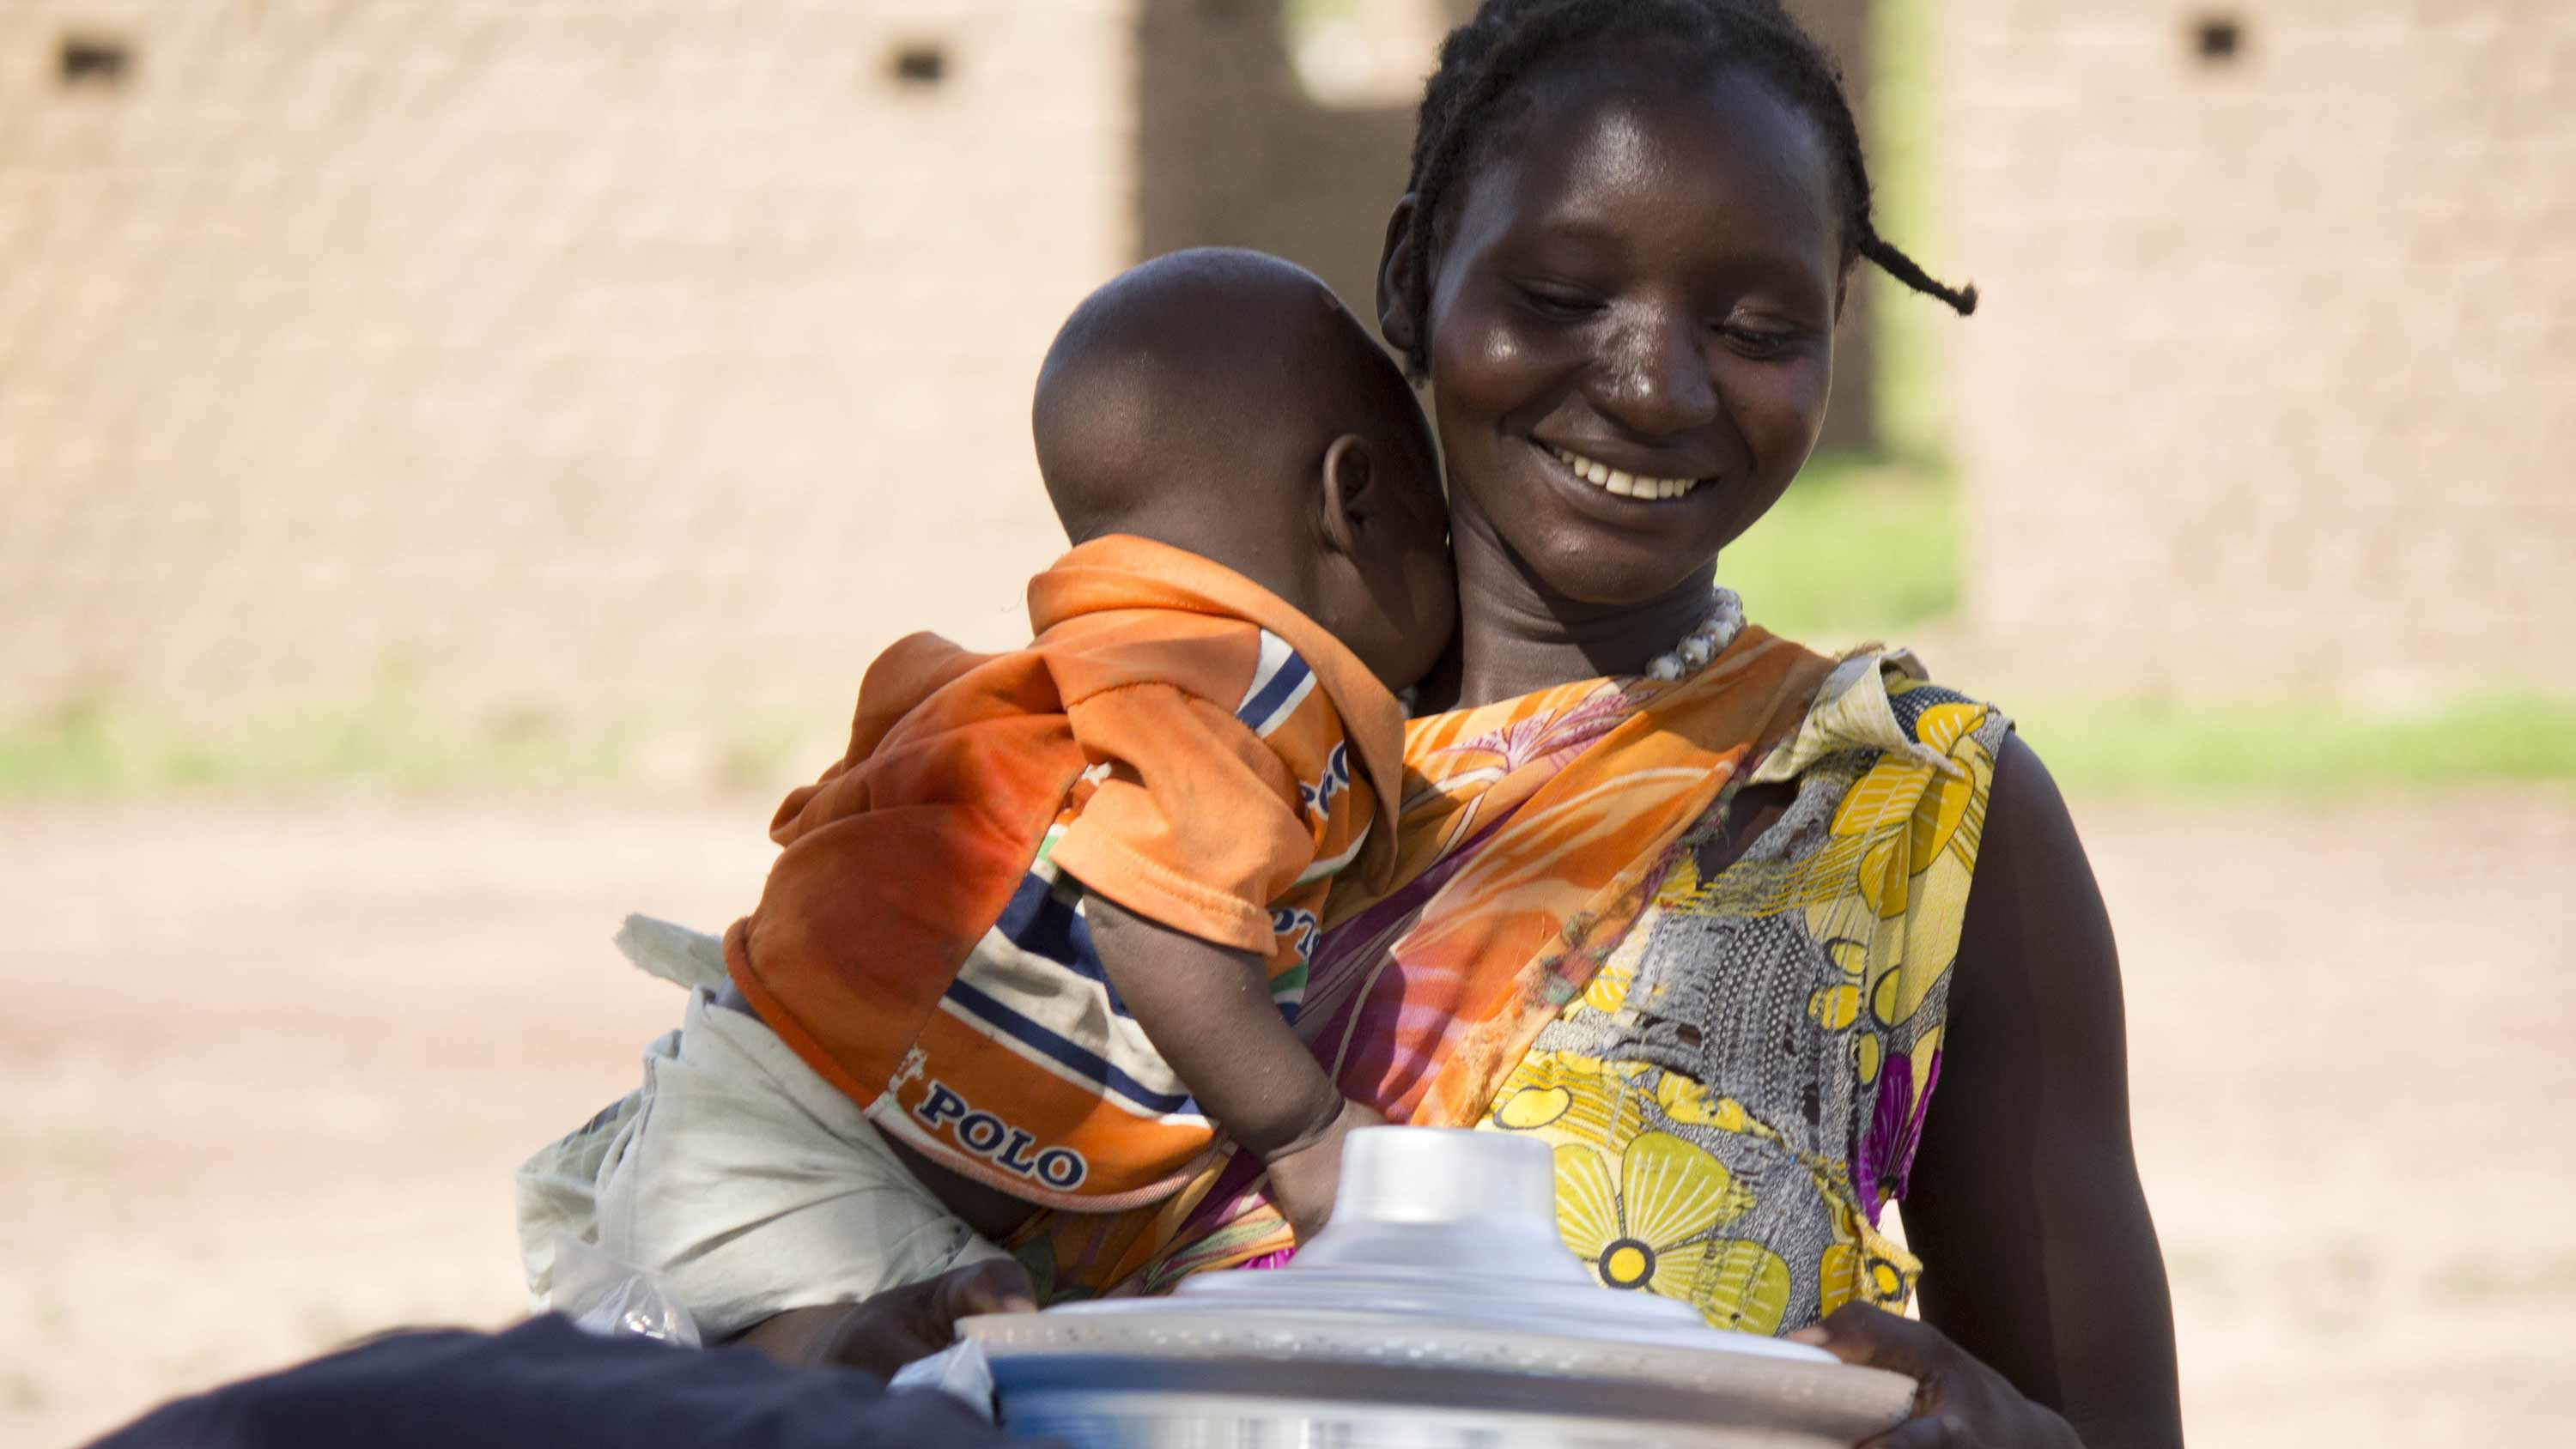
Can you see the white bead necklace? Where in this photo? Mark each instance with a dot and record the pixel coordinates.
(1725, 620)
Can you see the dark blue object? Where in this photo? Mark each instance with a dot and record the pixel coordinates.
(546, 1383)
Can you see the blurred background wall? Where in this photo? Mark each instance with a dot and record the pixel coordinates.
(567, 355)
(2275, 374)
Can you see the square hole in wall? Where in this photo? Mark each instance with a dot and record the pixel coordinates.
(2217, 39)
(918, 64)
(100, 62)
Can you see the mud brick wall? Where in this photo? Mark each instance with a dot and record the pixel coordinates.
(2273, 381)
(542, 349)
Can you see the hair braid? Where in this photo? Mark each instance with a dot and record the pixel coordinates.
(1962, 300)
(1484, 62)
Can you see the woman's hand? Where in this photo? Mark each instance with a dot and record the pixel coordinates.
(883, 1333)
(1961, 1404)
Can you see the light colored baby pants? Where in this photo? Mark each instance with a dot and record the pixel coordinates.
(742, 1179)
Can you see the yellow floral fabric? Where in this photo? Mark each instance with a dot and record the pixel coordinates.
(1736, 1094)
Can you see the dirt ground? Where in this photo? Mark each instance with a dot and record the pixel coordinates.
(268, 1069)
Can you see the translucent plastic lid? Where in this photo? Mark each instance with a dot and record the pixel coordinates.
(1440, 1281)
(1459, 1228)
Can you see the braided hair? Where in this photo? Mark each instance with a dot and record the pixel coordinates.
(1484, 63)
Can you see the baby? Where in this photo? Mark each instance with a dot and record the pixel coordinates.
(1049, 919)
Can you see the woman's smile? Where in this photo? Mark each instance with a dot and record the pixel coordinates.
(1617, 500)
(1622, 482)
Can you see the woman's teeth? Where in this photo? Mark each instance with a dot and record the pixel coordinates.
(1626, 485)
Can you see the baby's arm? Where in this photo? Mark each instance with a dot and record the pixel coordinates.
(1208, 1010)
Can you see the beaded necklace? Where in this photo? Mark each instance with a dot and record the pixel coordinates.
(1725, 620)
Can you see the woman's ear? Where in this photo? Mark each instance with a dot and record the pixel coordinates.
(1395, 319)
(1349, 494)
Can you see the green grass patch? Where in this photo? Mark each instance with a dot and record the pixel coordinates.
(394, 742)
(2284, 749)
(2300, 749)
(383, 744)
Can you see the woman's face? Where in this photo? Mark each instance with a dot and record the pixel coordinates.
(1643, 279)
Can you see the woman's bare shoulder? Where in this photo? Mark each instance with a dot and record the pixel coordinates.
(2040, 1258)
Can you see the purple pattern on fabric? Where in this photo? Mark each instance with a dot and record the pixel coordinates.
(1886, 1120)
(1914, 1124)
(1552, 737)
(1884, 1157)
(1361, 930)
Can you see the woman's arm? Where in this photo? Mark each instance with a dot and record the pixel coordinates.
(2040, 1260)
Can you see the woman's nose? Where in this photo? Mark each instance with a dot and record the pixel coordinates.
(1655, 379)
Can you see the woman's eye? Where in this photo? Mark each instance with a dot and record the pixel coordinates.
(1758, 342)
(1556, 302)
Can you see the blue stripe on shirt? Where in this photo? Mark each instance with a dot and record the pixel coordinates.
(1257, 710)
(1047, 926)
(1080, 1060)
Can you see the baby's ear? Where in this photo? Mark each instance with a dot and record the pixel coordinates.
(1349, 496)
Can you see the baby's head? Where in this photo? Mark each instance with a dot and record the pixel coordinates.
(1224, 402)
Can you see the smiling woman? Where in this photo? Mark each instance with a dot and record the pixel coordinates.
(1763, 944)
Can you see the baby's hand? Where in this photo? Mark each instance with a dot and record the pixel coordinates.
(1305, 1174)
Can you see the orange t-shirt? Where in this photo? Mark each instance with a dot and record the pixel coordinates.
(1175, 739)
